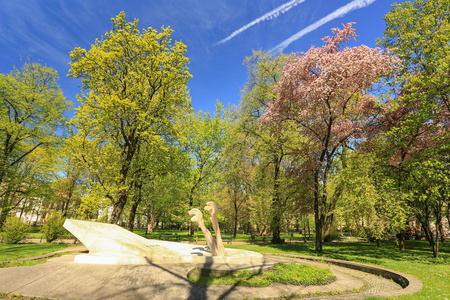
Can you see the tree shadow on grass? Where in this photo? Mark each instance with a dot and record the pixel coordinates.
(364, 252)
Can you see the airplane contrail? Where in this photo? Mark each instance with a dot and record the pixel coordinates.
(340, 12)
(268, 16)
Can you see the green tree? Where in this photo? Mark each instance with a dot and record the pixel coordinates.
(153, 167)
(325, 92)
(135, 84)
(370, 203)
(32, 109)
(428, 186)
(271, 152)
(236, 180)
(419, 32)
(14, 230)
(203, 141)
(53, 227)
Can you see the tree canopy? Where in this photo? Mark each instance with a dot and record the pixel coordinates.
(134, 90)
(325, 91)
(32, 116)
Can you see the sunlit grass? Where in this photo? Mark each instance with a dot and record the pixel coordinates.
(282, 273)
(417, 260)
(17, 251)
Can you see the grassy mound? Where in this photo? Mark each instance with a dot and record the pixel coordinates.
(283, 273)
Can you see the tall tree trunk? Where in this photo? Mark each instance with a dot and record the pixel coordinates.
(4, 156)
(433, 241)
(441, 231)
(5, 206)
(401, 240)
(435, 246)
(69, 197)
(328, 226)
(132, 216)
(137, 199)
(118, 206)
(150, 222)
(437, 209)
(425, 221)
(122, 194)
(191, 206)
(235, 218)
(21, 211)
(276, 219)
(309, 228)
(448, 213)
(37, 218)
(319, 227)
(276, 230)
(3, 216)
(378, 243)
(330, 214)
(319, 216)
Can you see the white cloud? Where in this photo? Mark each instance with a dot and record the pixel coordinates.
(268, 16)
(340, 12)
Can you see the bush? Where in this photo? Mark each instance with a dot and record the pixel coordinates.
(53, 228)
(14, 230)
(335, 236)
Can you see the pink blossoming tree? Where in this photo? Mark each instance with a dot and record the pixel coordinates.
(326, 92)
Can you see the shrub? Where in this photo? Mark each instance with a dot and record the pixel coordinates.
(53, 228)
(14, 230)
(335, 235)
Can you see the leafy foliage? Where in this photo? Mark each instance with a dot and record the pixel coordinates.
(265, 162)
(326, 92)
(53, 227)
(370, 204)
(32, 109)
(417, 118)
(14, 230)
(203, 142)
(135, 84)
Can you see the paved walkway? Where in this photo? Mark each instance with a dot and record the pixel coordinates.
(62, 279)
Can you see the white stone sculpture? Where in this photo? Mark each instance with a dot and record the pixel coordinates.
(198, 217)
(215, 245)
(111, 244)
(212, 208)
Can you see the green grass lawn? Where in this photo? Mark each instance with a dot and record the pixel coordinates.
(11, 252)
(417, 260)
(282, 273)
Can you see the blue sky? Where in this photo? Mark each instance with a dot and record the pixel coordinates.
(219, 34)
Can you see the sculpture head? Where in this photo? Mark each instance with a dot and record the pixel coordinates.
(198, 217)
(211, 207)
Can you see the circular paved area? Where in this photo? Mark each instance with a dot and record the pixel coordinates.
(61, 278)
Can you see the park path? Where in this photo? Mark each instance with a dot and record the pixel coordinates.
(61, 278)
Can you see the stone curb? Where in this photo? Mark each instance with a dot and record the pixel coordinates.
(410, 284)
